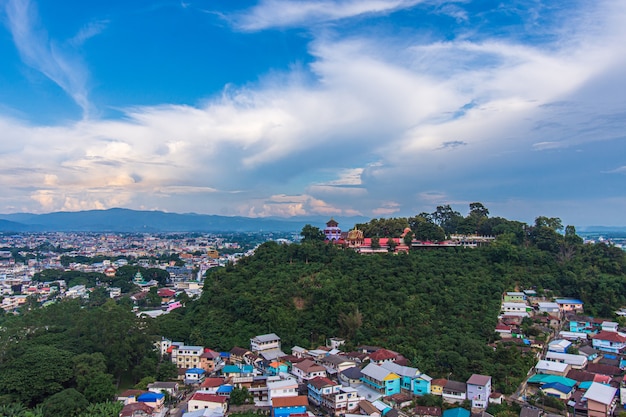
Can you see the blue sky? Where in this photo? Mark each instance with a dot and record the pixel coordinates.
(379, 108)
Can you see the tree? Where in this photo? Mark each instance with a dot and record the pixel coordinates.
(312, 234)
(105, 409)
(68, 402)
(478, 210)
(240, 396)
(100, 388)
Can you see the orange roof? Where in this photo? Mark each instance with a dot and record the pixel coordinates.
(300, 400)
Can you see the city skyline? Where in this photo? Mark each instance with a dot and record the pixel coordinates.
(379, 108)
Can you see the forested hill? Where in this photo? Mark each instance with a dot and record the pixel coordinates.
(437, 307)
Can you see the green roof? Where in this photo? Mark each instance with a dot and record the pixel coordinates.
(550, 379)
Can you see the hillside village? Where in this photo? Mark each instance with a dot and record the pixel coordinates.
(579, 366)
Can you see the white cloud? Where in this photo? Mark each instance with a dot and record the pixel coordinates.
(57, 62)
(287, 13)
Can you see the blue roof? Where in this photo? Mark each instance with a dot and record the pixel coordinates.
(225, 354)
(195, 371)
(568, 301)
(229, 369)
(557, 386)
(456, 412)
(585, 384)
(225, 389)
(150, 397)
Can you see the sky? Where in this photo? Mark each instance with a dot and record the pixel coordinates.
(377, 108)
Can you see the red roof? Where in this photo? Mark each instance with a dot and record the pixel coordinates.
(300, 400)
(610, 336)
(210, 398)
(382, 355)
(321, 382)
(212, 382)
(130, 409)
(166, 292)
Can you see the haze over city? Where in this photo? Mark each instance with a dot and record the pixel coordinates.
(379, 108)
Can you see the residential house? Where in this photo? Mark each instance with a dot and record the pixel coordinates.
(289, 406)
(186, 356)
(332, 396)
(136, 410)
(514, 297)
(496, 398)
(567, 305)
(299, 352)
(383, 355)
(282, 388)
(130, 396)
(277, 367)
(454, 391)
(267, 346)
(153, 399)
(194, 375)
(200, 400)
(559, 345)
(411, 379)
(516, 309)
(210, 385)
(576, 361)
(351, 377)
(456, 412)
(552, 368)
(479, 390)
(237, 354)
(240, 375)
(609, 326)
(601, 400)
(307, 369)
(335, 364)
(209, 360)
(436, 386)
(558, 390)
(424, 411)
(613, 342)
(548, 307)
(380, 379)
(171, 388)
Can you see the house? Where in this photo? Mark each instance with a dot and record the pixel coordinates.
(380, 379)
(496, 398)
(209, 359)
(194, 375)
(567, 305)
(613, 342)
(200, 400)
(153, 399)
(307, 369)
(516, 309)
(205, 412)
(576, 361)
(277, 367)
(411, 379)
(237, 354)
(288, 406)
(336, 363)
(436, 386)
(210, 385)
(456, 412)
(130, 396)
(423, 411)
(558, 390)
(548, 307)
(609, 326)
(267, 346)
(351, 376)
(171, 388)
(530, 412)
(454, 391)
(137, 410)
(383, 355)
(552, 368)
(514, 297)
(282, 388)
(559, 345)
(601, 400)
(589, 352)
(332, 397)
(186, 356)
(240, 375)
(479, 390)
(543, 379)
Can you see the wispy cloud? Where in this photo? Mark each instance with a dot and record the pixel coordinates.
(88, 31)
(55, 60)
(289, 13)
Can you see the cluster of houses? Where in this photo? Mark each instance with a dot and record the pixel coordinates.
(583, 366)
(370, 381)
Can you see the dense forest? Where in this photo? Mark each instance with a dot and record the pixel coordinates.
(437, 307)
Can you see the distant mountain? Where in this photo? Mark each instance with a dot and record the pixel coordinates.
(602, 229)
(126, 220)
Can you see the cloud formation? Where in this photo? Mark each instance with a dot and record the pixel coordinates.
(374, 125)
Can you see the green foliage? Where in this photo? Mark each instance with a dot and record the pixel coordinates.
(143, 384)
(105, 409)
(312, 234)
(240, 396)
(68, 403)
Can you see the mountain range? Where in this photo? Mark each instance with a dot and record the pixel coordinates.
(126, 220)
